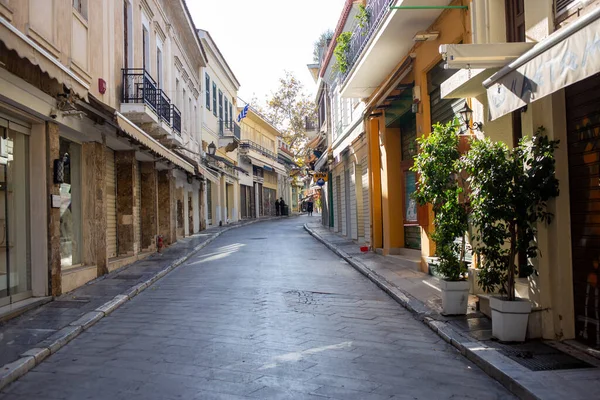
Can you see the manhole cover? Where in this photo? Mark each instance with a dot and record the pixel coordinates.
(128, 276)
(538, 356)
(67, 303)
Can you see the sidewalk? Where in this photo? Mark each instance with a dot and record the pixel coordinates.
(534, 370)
(31, 337)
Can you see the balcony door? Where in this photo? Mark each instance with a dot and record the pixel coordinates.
(15, 252)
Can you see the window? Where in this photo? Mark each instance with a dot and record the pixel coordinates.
(214, 99)
(207, 84)
(81, 7)
(185, 113)
(176, 97)
(190, 118)
(230, 115)
(70, 216)
(515, 20)
(127, 35)
(194, 119)
(146, 48)
(226, 112)
(159, 68)
(220, 105)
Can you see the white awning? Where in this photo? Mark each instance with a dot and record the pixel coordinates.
(28, 49)
(569, 55)
(142, 137)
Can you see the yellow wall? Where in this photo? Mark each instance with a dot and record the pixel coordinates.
(259, 131)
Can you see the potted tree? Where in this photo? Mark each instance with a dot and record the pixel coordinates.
(510, 190)
(441, 183)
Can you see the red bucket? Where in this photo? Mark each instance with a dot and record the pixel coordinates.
(364, 249)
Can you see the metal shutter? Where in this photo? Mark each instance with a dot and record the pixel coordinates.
(138, 208)
(563, 5)
(111, 205)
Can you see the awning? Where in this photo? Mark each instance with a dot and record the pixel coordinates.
(242, 170)
(268, 168)
(569, 55)
(28, 49)
(142, 137)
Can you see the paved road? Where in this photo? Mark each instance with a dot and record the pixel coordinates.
(264, 312)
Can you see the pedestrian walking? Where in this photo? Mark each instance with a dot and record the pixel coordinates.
(309, 207)
(277, 205)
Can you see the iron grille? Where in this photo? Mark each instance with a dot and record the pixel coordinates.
(139, 87)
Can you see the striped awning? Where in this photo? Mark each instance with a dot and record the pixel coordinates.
(143, 138)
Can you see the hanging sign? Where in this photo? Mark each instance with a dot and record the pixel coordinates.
(320, 175)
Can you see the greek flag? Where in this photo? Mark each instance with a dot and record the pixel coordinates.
(243, 113)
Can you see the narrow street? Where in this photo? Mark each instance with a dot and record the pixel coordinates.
(266, 312)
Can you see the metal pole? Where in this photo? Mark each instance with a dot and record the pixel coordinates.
(429, 7)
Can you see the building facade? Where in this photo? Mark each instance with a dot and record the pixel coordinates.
(102, 139)
(220, 130)
(259, 154)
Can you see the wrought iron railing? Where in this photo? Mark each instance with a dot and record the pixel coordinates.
(139, 87)
(221, 128)
(164, 107)
(377, 10)
(249, 144)
(230, 129)
(176, 115)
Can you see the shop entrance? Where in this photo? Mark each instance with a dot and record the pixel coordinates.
(583, 136)
(15, 262)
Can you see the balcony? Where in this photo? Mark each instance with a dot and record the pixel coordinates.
(247, 145)
(386, 38)
(148, 106)
(229, 134)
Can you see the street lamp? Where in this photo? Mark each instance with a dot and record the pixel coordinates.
(467, 116)
(212, 149)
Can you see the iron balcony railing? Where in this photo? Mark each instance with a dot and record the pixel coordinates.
(377, 10)
(176, 115)
(230, 129)
(164, 107)
(139, 87)
(249, 144)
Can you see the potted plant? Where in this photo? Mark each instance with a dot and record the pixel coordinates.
(441, 183)
(510, 190)
(362, 17)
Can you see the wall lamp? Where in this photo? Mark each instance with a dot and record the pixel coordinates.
(212, 149)
(467, 116)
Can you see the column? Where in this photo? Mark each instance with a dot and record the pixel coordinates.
(126, 166)
(52, 153)
(392, 181)
(256, 199)
(223, 199)
(235, 205)
(166, 206)
(375, 183)
(94, 206)
(181, 220)
(149, 211)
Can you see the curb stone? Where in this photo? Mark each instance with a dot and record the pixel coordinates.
(12, 371)
(487, 359)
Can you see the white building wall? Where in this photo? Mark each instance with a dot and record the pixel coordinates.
(342, 212)
(366, 217)
(353, 203)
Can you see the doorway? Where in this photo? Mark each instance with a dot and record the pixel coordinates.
(15, 262)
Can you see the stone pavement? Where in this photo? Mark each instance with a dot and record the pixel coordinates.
(36, 328)
(263, 312)
(470, 334)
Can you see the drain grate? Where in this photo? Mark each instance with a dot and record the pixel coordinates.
(538, 356)
(128, 276)
(68, 303)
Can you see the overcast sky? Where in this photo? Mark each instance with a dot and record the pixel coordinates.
(262, 38)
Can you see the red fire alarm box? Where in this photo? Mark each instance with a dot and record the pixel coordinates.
(101, 85)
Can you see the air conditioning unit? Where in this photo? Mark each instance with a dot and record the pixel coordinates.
(482, 56)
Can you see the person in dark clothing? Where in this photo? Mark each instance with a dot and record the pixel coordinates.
(282, 206)
(309, 206)
(277, 205)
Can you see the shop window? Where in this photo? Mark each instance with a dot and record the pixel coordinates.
(70, 208)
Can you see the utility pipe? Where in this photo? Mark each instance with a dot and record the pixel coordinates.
(428, 7)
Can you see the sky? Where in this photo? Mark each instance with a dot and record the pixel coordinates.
(260, 39)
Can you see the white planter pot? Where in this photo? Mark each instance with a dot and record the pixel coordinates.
(509, 319)
(455, 297)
